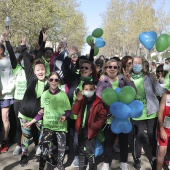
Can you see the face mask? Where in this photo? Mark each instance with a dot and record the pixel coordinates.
(166, 67)
(137, 68)
(88, 94)
(17, 55)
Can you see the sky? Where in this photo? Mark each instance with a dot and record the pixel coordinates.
(92, 10)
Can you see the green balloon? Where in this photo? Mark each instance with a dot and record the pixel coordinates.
(89, 39)
(162, 42)
(100, 136)
(98, 32)
(96, 50)
(127, 94)
(109, 96)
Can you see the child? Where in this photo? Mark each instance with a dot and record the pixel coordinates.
(91, 117)
(163, 129)
(55, 109)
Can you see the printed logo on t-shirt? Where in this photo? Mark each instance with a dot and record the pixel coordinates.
(47, 101)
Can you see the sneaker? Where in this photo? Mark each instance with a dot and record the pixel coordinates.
(17, 150)
(24, 160)
(116, 149)
(51, 161)
(105, 166)
(76, 161)
(123, 166)
(4, 148)
(137, 165)
(37, 150)
(60, 167)
(167, 162)
(65, 159)
(154, 164)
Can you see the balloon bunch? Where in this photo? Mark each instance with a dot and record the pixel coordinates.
(99, 42)
(122, 107)
(149, 39)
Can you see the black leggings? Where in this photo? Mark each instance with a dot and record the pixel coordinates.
(108, 145)
(139, 127)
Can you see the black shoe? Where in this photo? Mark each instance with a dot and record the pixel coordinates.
(24, 160)
(52, 161)
(154, 164)
(137, 165)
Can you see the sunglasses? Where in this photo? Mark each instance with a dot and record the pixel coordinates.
(110, 67)
(56, 80)
(86, 68)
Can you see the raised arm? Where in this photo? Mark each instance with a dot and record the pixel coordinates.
(10, 49)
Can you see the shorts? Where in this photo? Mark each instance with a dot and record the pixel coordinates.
(162, 142)
(6, 103)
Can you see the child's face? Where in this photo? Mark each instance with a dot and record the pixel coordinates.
(53, 82)
(89, 90)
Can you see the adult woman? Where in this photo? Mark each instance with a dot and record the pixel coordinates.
(113, 80)
(87, 73)
(7, 84)
(30, 105)
(147, 87)
(127, 62)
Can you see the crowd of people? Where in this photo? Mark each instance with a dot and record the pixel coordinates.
(58, 94)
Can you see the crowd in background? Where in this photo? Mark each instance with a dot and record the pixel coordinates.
(57, 94)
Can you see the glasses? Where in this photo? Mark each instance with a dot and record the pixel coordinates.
(56, 80)
(86, 68)
(110, 67)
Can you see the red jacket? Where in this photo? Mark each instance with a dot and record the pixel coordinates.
(97, 116)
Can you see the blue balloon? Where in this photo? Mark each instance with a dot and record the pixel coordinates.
(98, 149)
(121, 126)
(136, 108)
(99, 42)
(148, 39)
(118, 90)
(120, 110)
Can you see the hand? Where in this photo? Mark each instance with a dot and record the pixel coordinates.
(45, 36)
(28, 124)
(102, 78)
(79, 96)
(163, 134)
(127, 74)
(62, 119)
(6, 34)
(23, 40)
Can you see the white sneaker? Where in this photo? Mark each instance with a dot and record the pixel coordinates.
(17, 150)
(123, 166)
(105, 166)
(37, 150)
(116, 149)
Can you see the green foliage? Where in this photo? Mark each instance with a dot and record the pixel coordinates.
(61, 17)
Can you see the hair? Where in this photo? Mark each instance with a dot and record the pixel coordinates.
(99, 62)
(48, 48)
(2, 47)
(88, 83)
(54, 73)
(144, 70)
(146, 65)
(92, 67)
(167, 59)
(125, 60)
(38, 61)
(160, 67)
(115, 58)
(108, 63)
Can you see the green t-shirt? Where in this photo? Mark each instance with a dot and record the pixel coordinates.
(54, 107)
(141, 96)
(47, 66)
(20, 82)
(39, 88)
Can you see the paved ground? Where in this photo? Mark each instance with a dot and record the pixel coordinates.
(10, 162)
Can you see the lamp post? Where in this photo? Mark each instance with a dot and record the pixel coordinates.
(140, 49)
(7, 22)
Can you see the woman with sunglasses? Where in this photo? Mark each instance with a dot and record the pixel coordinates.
(55, 109)
(147, 90)
(87, 73)
(113, 80)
